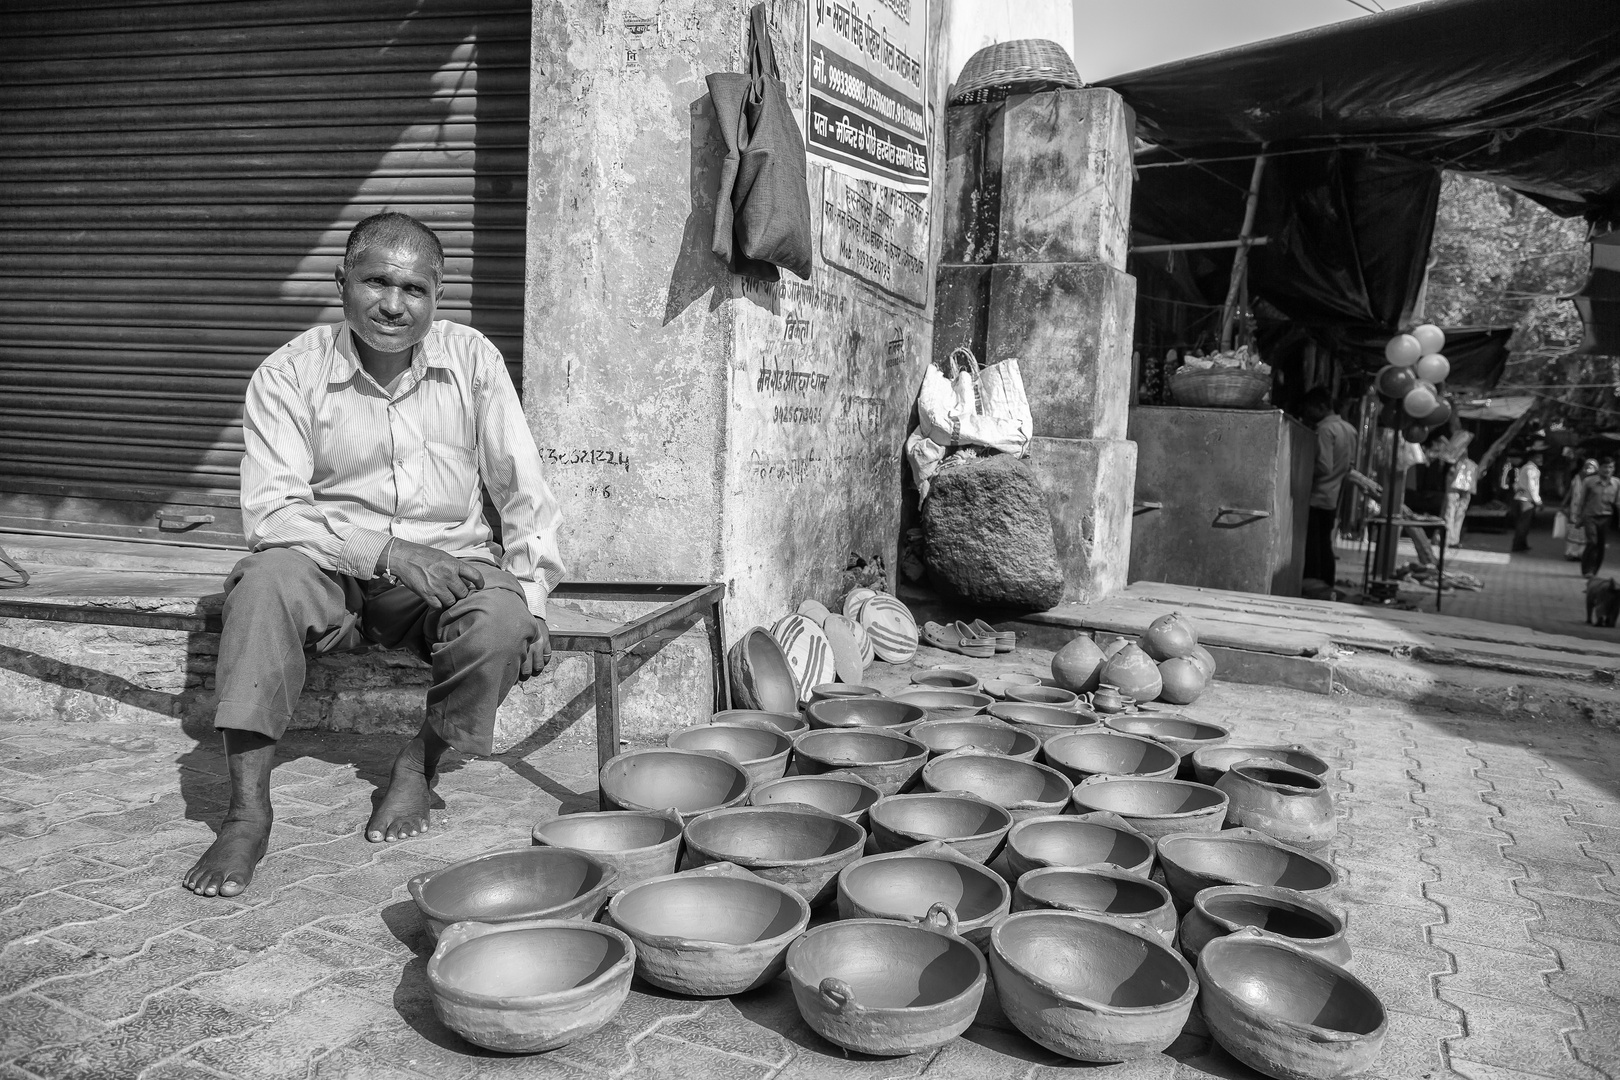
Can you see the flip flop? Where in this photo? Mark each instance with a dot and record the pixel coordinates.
(973, 639)
(949, 638)
(1006, 640)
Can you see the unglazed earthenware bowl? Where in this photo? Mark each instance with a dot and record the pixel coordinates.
(1180, 733)
(1193, 862)
(837, 691)
(1045, 721)
(764, 753)
(1286, 804)
(1087, 988)
(1211, 763)
(1101, 752)
(998, 685)
(983, 732)
(789, 724)
(1287, 1013)
(710, 932)
(945, 704)
(967, 824)
(945, 678)
(1023, 787)
(638, 844)
(1155, 807)
(797, 846)
(863, 712)
(1055, 696)
(1096, 839)
(520, 885)
(1284, 913)
(531, 985)
(691, 782)
(882, 757)
(1129, 900)
(761, 677)
(906, 885)
(841, 793)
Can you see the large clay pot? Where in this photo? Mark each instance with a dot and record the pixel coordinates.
(520, 885)
(906, 885)
(981, 732)
(1023, 787)
(945, 704)
(1288, 1013)
(796, 846)
(1282, 913)
(763, 753)
(761, 677)
(531, 985)
(1180, 733)
(1128, 900)
(885, 759)
(1045, 721)
(637, 844)
(967, 824)
(789, 724)
(1193, 862)
(1170, 636)
(946, 678)
(1288, 804)
(863, 712)
(1102, 752)
(692, 782)
(880, 987)
(1134, 673)
(1068, 840)
(1078, 665)
(1087, 988)
(1154, 807)
(710, 932)
(1212, 763)
(841, 793)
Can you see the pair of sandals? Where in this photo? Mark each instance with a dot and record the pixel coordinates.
(977, 638)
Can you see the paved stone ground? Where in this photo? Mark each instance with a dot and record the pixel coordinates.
(1480, 890)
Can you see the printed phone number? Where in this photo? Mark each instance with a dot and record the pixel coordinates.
(550, 455)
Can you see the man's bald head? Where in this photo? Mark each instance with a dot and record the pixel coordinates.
(392, 230)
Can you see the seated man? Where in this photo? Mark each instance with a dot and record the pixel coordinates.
(368, 443)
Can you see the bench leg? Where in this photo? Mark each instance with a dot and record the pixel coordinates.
(713, 622)
(607, 709)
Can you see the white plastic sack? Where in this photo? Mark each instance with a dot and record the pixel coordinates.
(974, 406)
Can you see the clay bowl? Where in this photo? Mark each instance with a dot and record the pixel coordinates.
(789, 724)
(1193, 862)
(885, 759)
(692, 782)
(906, 885)
(532, 985)
(711, 932)
(761, 677)
(998, 685)
(946, 678)
(520, 885)
(1286, 804)
(1089, 989)
(886, 988)
(1056, 696)
(945, 704)
(763, 752)
(991, 736)
(1101, 840)
(1211, 763)
(1127, 900)
(1044, 721)
(967, 824)
(1286, 1013)
(1154, 807)
(863, 712)
(1023, 787)
(796, 846)
(1180, 733)
(839, 793)
(638, 844)
(1282, 913)
(830, 691)
(1101, 752)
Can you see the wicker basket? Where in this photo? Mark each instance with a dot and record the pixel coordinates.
(1025, 66)
(1220, 388)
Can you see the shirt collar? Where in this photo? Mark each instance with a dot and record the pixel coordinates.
(429, 352)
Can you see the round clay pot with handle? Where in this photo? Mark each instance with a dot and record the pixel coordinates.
(1288, 804)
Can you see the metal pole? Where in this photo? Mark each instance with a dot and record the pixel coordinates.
(1240, 261)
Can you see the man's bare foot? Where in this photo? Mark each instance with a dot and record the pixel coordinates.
(226, 868)
(403, 811)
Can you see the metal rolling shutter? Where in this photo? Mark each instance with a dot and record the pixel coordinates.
(176, 184)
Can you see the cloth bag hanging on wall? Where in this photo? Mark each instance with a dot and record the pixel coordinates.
(762, 214)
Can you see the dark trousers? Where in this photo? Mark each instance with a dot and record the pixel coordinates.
(1597, 537)
(280, 608)
(1521, 525)
(1320, 562)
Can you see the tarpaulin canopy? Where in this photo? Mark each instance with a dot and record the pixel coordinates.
(1510, 407)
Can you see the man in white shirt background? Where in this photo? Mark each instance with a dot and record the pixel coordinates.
(1526, 498)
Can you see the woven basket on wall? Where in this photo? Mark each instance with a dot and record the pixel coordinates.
(1220, 388)
(1025, 66)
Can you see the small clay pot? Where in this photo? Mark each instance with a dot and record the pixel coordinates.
(692, 782)
(1102, 752)
(1107, 699)
(967, 824)
(1286, 1012)
(762, 752)
(1055, 696)
(1180, 733)
(1154, 807)
(906, 885)
(789, 724)
(945, 704)
(1023, 787)
(837, 691)
(1087, 988)
(885, 759)
(841, 793)
(887, 988)
(1288, 804)
(761, 677)
(1281, 913)
(520, 885)
(998, 685)
(1066, 840)
(1193, 862)
(638, 844)
(863, 712)
(982, 732)
(710, 932)
(531, 985)
(1045, 721)
(946, 678)
(1211, 763)
(796, 846)
(1128, 900)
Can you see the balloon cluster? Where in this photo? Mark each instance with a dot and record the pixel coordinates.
(1411, 381)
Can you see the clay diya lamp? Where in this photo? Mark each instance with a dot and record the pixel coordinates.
(1282, 913)
(1154, 807)
(998, 685)
(710, 932)
(1101, 840)
(1286, 1012)
(796, 846)
(945, 704)
(1102, 752)
(638, 844)
(906, 885)
(1055, 696)
(1211, 763)
(764, 753)
(1044, 721)
(830, 691)
(863, 712)
(1180, 733)
(1023, 787)
(983, 733)
(761, 677)
(513, 886)
(1193, 862)
(789, 724)
(844, 794)
(967, 824)
(1087, 988)
(691, 782)
(1287, 804)
(885, 759)
(886, 988)
(1127, 900)
(532, 985)
(945, 678)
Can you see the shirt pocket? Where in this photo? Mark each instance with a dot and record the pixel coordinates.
(449, 481)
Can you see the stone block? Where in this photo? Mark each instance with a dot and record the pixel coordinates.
(971, 207)
(961, 309)
(1088, 485)
(1069, 325)
(989, 537)
(1066, 178)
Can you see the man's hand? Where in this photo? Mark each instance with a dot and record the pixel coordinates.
(436, 577)
(539, 653)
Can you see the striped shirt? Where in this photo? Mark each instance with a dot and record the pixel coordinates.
(336, 466)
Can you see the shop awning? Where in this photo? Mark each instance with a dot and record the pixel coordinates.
(1510, 407)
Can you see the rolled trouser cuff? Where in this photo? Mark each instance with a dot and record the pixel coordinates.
(250, 716)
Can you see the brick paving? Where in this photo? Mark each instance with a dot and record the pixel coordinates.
(1480, 890)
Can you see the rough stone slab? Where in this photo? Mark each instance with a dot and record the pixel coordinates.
(970, 209)
(1087, 484)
